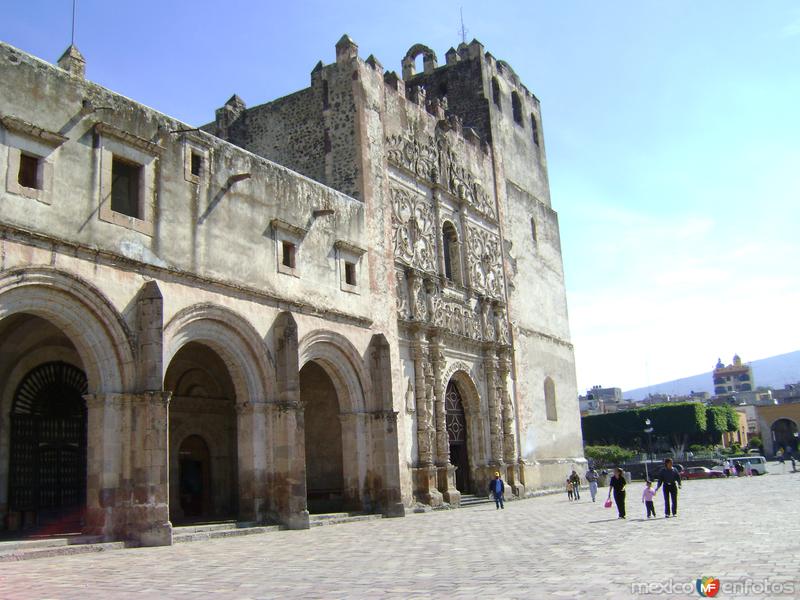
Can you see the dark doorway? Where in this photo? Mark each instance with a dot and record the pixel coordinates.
(47, 478)
(784, 435)
(194, 477)
(323, 438)
(456, 423)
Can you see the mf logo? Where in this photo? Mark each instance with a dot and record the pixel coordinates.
(708, 587)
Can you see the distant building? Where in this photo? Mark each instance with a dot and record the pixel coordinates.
(736, 377)
(600, 400)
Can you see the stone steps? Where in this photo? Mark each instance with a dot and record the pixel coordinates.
(318, 520)
(46, 547)
(224, 529)
(469, 500)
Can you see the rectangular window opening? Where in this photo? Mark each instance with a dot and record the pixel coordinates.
(288, 255)
(349, 273)
(125, 188)
(29, 172)
(197, 164)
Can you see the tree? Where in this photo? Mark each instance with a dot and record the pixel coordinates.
(677, 420)
(607, 456)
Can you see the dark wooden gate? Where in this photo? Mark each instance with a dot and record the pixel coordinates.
(47, 479)
(456, 423)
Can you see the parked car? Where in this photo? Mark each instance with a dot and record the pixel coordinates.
(701, 473)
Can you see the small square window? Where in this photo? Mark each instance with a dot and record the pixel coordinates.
(197, 164)
(349, 273)
(29, 171)
(125, 187)
(288, 254)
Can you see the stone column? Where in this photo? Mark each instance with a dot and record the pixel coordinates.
(148, 521)
(495, 437)
(127, 468)
(425, 473)
(104, 447)
(251, 429)
(287, 477)
(445, 471)
(509, 443)
(384, 484)
(467, 274)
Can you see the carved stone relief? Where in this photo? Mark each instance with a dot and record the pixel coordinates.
(412, 224)
(434, 160)
(403, 307)
(483, 257)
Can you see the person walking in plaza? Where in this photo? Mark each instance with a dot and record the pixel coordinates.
(617, 485)
(670, 478)
(576, 484)
(497, 487)
(647, 497)
(592, 477)
(569, 490)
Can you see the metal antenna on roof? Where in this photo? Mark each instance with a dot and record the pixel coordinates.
(74, 2)
(463, 31)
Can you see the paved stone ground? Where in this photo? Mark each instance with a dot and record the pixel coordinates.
(540, 548)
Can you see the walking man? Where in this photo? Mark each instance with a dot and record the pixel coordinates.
(671, 480)
(497, 487)
(576, 484)
(591, 477)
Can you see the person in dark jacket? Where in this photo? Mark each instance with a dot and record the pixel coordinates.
(576, 484)
(617, 485)
(497, 487)
(670, 478)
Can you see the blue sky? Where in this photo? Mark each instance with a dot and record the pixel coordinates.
(672, 132)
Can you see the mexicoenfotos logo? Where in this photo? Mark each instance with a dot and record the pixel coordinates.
(708, 587)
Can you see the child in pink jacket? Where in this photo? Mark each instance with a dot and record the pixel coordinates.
(647, 497)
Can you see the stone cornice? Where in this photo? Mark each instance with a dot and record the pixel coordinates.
(104, 129)
(32, 131)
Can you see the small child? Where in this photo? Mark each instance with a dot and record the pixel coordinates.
(647, 497)
(569, 489)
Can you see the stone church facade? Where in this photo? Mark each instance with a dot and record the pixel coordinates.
(351, 298)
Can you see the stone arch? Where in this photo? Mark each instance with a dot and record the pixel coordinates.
(477, 431)
(83, 313)
(336, 356)
(782, 431)
(429, 60)
(343, 364)
(233, 338)
(465, 375)
(222, 479)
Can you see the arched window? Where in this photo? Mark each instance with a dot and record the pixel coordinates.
(535, 129)
(516, 106)
(496, 92)
(450, 249)
(550, 399)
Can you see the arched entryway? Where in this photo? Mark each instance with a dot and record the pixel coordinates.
(47, 449)
(323, 440)
(784, 435)
(456, 423)
(203, 447)
(194, 477)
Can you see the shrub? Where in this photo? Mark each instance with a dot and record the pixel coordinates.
(607, 456)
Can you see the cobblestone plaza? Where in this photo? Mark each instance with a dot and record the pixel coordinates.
(744, 532)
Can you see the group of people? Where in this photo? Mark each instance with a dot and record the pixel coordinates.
(669, 479)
